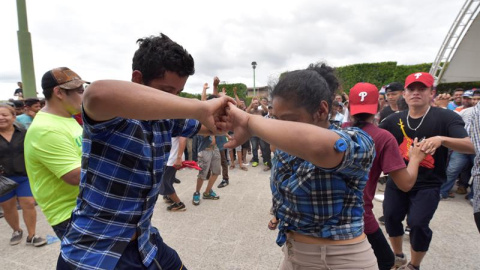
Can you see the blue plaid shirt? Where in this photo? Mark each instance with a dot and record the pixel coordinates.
(122, 167)
(325, 203)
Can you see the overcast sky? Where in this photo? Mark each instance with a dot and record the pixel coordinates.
(97, 39)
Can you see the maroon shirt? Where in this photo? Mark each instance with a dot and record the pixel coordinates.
(388, 159)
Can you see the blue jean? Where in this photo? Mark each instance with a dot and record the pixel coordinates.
(266, 153)
(166, 258)
(456, 165)
(255, 141)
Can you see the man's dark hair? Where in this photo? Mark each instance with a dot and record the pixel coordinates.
(308, 87)
(157, 54)
(360, 119)
(31, 101)
(212, 97)
(18, 103)
(458, 90)
(48, 93)
(402, 104)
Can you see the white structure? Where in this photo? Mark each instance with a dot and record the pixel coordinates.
(458, 59)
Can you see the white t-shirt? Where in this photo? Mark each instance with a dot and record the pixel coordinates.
(174, 152)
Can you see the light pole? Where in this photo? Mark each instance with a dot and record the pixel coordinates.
(25, 51)
(254, 65)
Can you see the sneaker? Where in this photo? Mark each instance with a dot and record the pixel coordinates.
(167, 199)
(407, 230)
(222, 184)
(407, 267)
(246, 164)
(196, 198)
(177, 207)
(16, 238)
(461, 190)
(36, 241)
(211, 196)
(176, 181)
(448, 197)
(382, 220)
(254, 164)
(400, 261)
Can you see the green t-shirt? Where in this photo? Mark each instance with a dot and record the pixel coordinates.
(53, 147)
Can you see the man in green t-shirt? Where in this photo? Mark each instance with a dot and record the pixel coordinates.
(53, 147)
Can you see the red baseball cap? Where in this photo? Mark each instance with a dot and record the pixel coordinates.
(422, 77)
(363, 98)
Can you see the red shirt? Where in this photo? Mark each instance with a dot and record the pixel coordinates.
(387, 159)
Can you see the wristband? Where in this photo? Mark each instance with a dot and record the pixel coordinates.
(340, 145)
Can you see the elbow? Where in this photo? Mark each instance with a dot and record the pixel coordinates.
(95, 93)
(405, 187)
(95, 97)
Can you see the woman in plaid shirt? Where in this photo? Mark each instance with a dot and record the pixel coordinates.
(319, 175)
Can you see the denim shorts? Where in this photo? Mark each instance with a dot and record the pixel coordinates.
(22, 190)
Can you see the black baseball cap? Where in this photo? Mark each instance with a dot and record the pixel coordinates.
(394, 86)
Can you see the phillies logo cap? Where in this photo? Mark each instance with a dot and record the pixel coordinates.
(421, 77)
(363, 98)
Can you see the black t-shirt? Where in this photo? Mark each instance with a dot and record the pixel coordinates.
(385, 112)
(438, 122)
(11, 153)
(18, 91)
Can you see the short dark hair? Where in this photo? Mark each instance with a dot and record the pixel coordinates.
(18, 103)
(157, 54)
(48, 93)
(308, 87)
(402, 104)
(31, 101)
(212, 97)
(459, 90)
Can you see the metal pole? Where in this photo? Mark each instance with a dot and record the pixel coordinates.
(25, 52)
(254, 82)
(254, 65)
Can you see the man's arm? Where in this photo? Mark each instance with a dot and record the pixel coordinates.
(107, 99)
(72, 177)
(461, 145)
(264, 108)
(237, 99)
(182, 142)
(216, 81)
(204, 92)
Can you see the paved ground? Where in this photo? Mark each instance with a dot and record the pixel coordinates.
(232, 233)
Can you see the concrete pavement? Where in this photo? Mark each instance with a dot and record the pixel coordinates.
(232, 233)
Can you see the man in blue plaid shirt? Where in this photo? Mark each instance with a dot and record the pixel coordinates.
(124, 153)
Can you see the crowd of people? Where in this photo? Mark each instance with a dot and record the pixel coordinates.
(95, 163)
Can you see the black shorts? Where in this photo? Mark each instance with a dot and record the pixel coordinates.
(166, 187)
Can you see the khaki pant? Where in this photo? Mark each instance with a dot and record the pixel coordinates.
(300, 256)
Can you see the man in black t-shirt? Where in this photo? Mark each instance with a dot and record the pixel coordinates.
(440, 129)
(393, 92)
